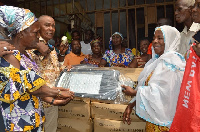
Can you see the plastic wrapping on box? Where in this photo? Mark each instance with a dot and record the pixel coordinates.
(96, 83)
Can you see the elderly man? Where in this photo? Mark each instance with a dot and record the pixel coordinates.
(48, 64)
(196, 18)
(183, 15)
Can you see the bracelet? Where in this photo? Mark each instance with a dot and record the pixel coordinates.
(59, 93)
(52, 101)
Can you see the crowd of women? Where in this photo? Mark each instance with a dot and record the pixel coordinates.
(22, 88)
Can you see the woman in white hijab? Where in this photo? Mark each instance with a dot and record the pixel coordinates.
(159, 83)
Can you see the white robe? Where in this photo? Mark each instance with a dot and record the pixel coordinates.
(156, 103)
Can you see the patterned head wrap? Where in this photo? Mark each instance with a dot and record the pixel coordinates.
(16, 19)
(118, 34)
(95, 41)
(110, 42)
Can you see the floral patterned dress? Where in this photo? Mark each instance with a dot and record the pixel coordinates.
(114, 59)
(21, 111)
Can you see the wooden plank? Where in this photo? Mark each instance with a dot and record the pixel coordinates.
(136, 27)
(128, 7)
(127, 27)
(72, 8)
(146, 21)
(99, 16)
(103, 35)
(150, 12)
(52, 1)
(165, 11)
(59, 8)
(86, 8)
(119, 20)
(110, 23)
(45, 6)
(95, 5)
(40, 7)
(174, 15)
(65, 7)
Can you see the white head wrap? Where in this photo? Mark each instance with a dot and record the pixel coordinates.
(156, 102)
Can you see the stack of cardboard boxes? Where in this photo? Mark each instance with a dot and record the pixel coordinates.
(86, 115)
(108, 118)
(75, 116)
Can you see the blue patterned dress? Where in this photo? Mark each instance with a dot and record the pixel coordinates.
(21, 111)
(114, 59)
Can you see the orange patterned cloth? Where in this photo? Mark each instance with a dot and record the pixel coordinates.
(49, 68)
(154, 128)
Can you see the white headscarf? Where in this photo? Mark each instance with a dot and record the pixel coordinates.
(156, 103)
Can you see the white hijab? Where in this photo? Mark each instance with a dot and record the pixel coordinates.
(156, 103)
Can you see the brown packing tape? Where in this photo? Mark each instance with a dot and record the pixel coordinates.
(75, 110)
(75, 125)
(105, 125)
(111, 111)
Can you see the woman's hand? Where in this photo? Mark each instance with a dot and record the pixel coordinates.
(54, 92)
(64, 93)
(63, 48)
(57, 102)
(127, 113)
(6, 45)
(128, 90)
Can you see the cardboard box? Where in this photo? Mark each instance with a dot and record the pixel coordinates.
(75, 125)
(105, 125)
(111, 111)
(77, 109)
(80, 100)
(58, 130)
(132, 73)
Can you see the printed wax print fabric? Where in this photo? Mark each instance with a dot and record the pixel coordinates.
(114, 59)
(49, 68)
(21, 111)
(16, 19)
(91, 61)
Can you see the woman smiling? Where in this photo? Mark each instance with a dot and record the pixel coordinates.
(159, 83)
